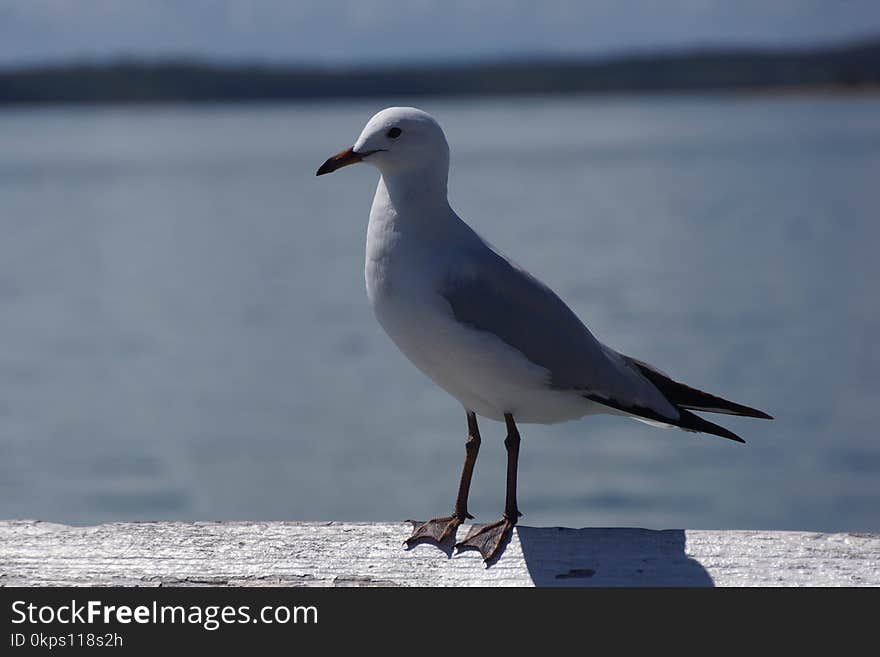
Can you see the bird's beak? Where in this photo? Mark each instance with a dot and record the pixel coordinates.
(341, 159)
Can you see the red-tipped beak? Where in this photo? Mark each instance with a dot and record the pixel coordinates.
(341, 159)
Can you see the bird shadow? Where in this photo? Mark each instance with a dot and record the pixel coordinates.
(559, 556)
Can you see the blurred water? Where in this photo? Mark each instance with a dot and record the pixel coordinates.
(184, 332)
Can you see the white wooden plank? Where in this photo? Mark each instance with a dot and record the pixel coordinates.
(362, 554)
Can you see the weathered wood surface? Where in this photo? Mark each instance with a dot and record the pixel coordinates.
(364, 554)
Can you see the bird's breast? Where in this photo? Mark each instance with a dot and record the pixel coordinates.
(401, 265)
(399, 285)
(403, 273)
(382, 264)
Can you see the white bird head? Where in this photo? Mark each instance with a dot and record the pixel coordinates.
(397, 139)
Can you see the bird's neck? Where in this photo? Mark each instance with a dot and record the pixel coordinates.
(415, 192)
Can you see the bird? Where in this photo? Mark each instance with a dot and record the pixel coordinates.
(484, 329)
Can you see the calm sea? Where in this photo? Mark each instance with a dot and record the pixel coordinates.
(184, 332)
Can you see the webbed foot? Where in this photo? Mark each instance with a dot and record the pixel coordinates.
(435, 531)
(488, 539)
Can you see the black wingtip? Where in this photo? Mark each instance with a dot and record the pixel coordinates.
(740, 410)
(686, 420)
(685, 396)
(692, 422)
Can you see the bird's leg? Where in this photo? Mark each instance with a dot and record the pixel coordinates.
(439, 529)
(489, 539)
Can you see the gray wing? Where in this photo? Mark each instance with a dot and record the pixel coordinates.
(492, 294)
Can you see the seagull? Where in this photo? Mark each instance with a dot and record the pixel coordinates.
(484, 329)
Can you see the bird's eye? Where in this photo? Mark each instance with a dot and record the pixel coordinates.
(394, 133)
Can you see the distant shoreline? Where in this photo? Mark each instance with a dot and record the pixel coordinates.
(816, 91)
(843, 69)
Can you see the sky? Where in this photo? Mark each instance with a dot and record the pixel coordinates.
(365, 31)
